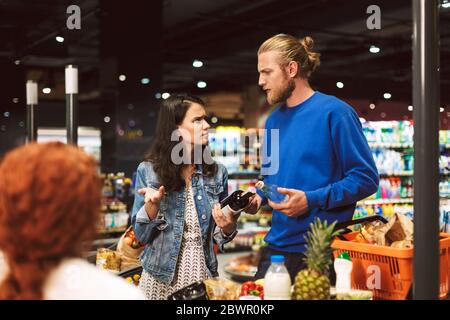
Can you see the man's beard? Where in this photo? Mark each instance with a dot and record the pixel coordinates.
(284, 93)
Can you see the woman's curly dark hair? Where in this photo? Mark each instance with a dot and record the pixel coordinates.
(49, 205)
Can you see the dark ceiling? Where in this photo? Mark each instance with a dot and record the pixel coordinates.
(225, 35)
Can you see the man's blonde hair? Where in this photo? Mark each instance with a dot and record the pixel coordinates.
(293, 49)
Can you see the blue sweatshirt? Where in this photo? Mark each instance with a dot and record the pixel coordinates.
(323, 152)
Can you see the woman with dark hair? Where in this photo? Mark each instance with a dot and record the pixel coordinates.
(176, 211)
(50, 205)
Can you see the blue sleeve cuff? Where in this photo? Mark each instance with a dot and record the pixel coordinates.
(314, 199)
(142, 216)
(263, 197)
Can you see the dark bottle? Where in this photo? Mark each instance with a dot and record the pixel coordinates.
(236, 201)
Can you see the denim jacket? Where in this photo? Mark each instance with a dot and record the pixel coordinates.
(163, 235)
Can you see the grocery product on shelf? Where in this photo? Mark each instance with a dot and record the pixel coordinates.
(391, 143)
(116, 200)
(236, 148)
(313, 283)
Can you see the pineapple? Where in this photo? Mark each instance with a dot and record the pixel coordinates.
(313, 283)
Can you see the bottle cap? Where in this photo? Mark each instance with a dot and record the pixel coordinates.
(277, 258)
(344, 255)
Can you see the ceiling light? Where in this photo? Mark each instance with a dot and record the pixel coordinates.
(6, 114)
(46, 90)
(122, 77)
(17, 62)
(410, 108)
(374, 49)
(59, 39)
(441, 109)
(372, 106)
(340, 85)
(158, 95)
(214, 120)
(107, 119)
(445, 4)
(165, 95)
(145, 81)
(15, 100)
(387, 95)
(197, 63)
(201, 84)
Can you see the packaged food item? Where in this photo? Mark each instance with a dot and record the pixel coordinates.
(221, 289)
(397, 233)
(108, 260)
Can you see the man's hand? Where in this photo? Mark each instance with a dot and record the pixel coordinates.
(295, 206)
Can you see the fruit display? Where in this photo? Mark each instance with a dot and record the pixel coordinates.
(313, 283)
(250, 288)
(134, 279)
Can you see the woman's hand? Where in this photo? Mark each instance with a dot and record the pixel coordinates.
(227, 222)
(254, 204)
(152, 199)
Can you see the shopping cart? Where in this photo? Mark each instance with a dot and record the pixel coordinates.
(386, 271)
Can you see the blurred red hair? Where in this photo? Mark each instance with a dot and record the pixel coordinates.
(49, 205)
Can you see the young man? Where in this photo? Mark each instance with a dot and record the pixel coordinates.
(325, 164)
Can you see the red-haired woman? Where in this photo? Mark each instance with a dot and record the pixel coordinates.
(49, 205)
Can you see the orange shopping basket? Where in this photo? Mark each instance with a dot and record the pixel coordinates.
(386, 271)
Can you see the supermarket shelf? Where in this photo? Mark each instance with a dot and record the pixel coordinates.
(398, 174)
(406, 174)
(390, 145)
(384, 201)
(398, 145)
